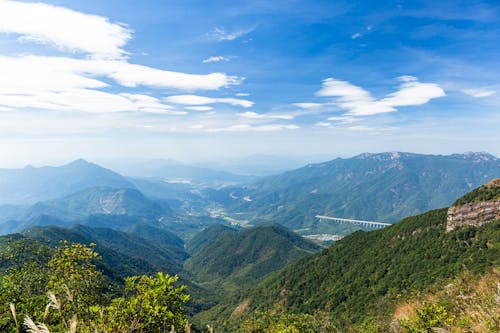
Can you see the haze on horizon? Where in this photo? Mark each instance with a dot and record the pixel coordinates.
(201, 82)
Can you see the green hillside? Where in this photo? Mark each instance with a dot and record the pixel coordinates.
(207, 236)
(127, 253)
(238, 259)
(378, 187)
(366, 273)
(487, 192)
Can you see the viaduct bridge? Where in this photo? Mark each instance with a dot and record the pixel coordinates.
(369, 224)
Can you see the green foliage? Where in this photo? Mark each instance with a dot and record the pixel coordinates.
(150, 305)
(76, 295)
(268, 322)
(482, 193)
(365, 274)
(430, 316)
(75, 281)
(126, 253)
(206, 237)
(242, 257)
(23, 275)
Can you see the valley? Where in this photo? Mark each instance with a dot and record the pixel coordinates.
(264, 247)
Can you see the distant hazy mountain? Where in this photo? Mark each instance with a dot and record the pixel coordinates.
(174, 172)
(92, 206)
(379, 187)
(243, 257)
(265, 165)
(30, 185)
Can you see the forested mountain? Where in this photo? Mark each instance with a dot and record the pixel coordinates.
(87, 207)
(366, 275)
(30, 185)
(128, 253)
(236, 259)
(207, 236)
(381, 187)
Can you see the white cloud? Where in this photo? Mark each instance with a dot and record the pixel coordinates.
(215, 59)
(361, 128)
(371, 130)
(131, 75)
(344, 119)
(323, 124)
(76, 84)
(359, 102)
(479, 93)
(254, 115)
(253, 128)
(308, 105)
(220, 34)
(59, 83)
(63, 28)
(199, 108)
(202, 100)
(356, 35)
(242, 94)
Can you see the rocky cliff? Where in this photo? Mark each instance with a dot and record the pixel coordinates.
(477, 208)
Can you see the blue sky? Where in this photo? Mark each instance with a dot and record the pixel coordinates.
(207, 80)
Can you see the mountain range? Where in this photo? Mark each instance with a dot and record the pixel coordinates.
(365, 276)
(381, 187)
(86, 206)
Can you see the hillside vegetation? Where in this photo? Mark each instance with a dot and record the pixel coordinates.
(367, 273)
(237, 259)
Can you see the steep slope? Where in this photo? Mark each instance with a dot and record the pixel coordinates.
(127, 253)
(207, 237)
(378, 187)
(477, 207)
(240, 258)
(30, 185)
(89, 206)
(163, 238)
(367, 273)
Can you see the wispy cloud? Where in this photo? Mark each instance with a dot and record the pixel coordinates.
(220, 34)
(359, 102)
(199, 108)
(253, 128)
(60, 83)
(356, 35)
(307, 105)
(215, 59)
(479, 93)
(254, 115)
(202, 100)
(344, 119)
(65, 29)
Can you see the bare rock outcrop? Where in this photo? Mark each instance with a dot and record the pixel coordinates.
(475, 213)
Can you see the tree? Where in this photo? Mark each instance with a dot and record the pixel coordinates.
(75, 284)
(150, 305)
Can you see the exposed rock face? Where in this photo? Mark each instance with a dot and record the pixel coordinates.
(473, 214)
